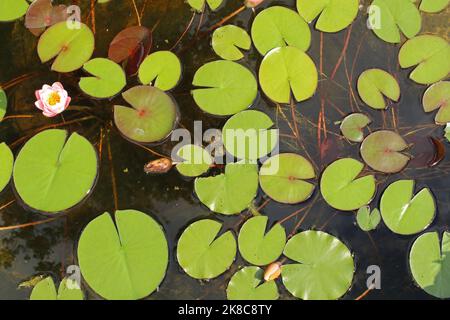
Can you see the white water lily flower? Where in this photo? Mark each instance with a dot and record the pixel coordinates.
(52, 100)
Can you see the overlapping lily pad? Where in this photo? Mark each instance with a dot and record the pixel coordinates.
(42, 14)
(152, 117)
(203, 253)
(125, 260)
(54, 171)
(285, 70)
(324, 268)
(353, 125)
(69, 45)
(382, 151)
(367, 220)
(199, 5)
(248, 284)
(11, 10)
(231, 192)
(228, 40)
(197, 161)
(162, 69)
(6, 163)
(46, 290)
(430, 54)
(404, 213)
(429, 261)
(433, 6)
(284, 178)
(438, 97)
(3, 103)
(257, 244)
(343, 189)
(279, 27)
(374, 84)
(225, 88)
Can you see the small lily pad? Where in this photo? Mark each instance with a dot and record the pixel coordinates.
(279, 27)
(199, 5)
(430, 54)
(125, 260)
(324, 268)
(42, 14)
(374, 84)
(283, 178)
(433, 6)
(226, 88)
(342, 189)
(3, 103)
(11, 10)
(382, 151)
(404, 213)
(430, 264)
(202, 253)
(229, 193)
(285, 70)
(227, 40)
(162, 69)
(152, 117)
(248, 284)
(46, 290)
(197, 161)
(352, 126)
(258, 246)
(367, 220)
(447, 132)
(6, 163)
(438, 97)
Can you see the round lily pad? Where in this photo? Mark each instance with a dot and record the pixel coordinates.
(283, 176)
(430, 264)
(197, 161)
(437, 96)
(228, 40)
(430, 54)
(107, 81)
(288, 69)
(162, 69)
(279, 27)
(6, 163)
(324, 268)
(352, 126)
(203, 253)
(69, 45)
(334, 15)
(343, 189)
(11, 10)
(258, 246)
(374, 84)
(199, 5)
(382, 151)
(248, 284)
(46, 290)
(125, 260)
(54, 171)
(247, 135)
(367, 220)
(433, 6)
(404, 213)
(226, 88)
(393, 17)
(3, 103)
(229, 193)
(152, 117)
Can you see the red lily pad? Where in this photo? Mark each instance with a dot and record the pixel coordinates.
(42, 14)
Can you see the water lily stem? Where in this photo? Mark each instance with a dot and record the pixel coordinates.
(184, 32)
(137, 13)
(224, 20)
(365, 293)
(18, 116)
(26, 225)
(7, 204)
(113, 175)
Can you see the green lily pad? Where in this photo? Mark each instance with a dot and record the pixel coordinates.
(197, 161)
(447, 132)
(283, 176)
(382, 151)
(429, 261)
(324, 270)
(162, 69)
(3, 103)
(227, 40)
(352, 126)
(367, 220)
(46, 290)
(430, 54)
(258, 246)
(374, 84)
(199, 5)
(125, 260)
(229, 193)
(247, 135)
(404, 213)
(11, 10)
(288, 69)
(72, 47)
(279, 27)
(226, 88)
(433, 6)
(152, 117)
(6, 163)
(438, 97)
(334, 15)
(54, 171)
(107, 81)
(202, 253)
(342, 189)
(248, 284)
(395, 16)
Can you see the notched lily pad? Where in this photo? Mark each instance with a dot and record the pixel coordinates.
(197, 161)
(248, 284)
(228, 40)
(199, 5)
(353, 125)
(374, 84)
(46, 290)
(6, 163)
(368, 221)
(438, 97)
(42, 14)
(161, 69)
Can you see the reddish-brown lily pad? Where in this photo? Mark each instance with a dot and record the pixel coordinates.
(42, 14)
(438, 97)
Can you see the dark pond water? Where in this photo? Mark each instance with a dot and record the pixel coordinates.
(49, 248)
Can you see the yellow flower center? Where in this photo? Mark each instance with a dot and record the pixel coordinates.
(54, 98)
